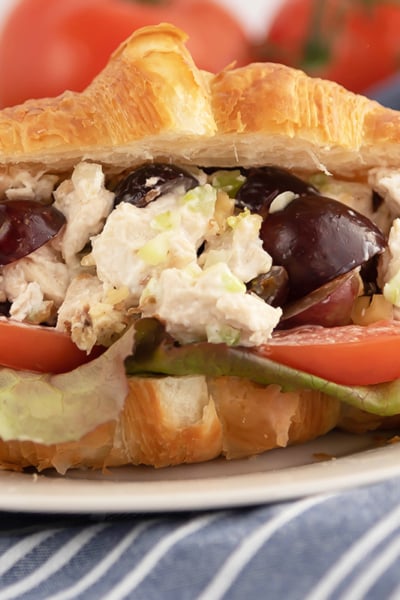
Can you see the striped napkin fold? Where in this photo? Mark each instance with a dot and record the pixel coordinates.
(344, 545)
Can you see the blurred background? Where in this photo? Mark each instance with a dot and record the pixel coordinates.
(47, 46)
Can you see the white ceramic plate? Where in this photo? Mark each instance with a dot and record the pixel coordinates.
(335, 462)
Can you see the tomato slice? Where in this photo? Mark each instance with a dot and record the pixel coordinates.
(349, 355)
(39, 349)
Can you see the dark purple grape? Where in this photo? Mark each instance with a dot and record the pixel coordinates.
(377, 201)
(264, 184)
(272, 287)
(5, 308)
(25, 225)
(151, 181)
(317, 239)
(329, 306)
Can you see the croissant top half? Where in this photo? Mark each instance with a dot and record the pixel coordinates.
(151, 102)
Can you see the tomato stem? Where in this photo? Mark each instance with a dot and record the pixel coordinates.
(150, 2)
(316, 49)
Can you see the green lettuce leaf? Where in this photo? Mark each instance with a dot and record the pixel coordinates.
(157, 354)
(61, 408)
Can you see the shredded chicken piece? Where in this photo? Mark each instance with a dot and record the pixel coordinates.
(91, 315)
(86, 204)
(20, 184)
(36, 284)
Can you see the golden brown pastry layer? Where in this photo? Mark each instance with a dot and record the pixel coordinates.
(152, 102)
(169, 421)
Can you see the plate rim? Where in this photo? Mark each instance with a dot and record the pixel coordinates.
(39, 493)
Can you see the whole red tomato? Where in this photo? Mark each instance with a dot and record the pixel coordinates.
(48, 46)
(353, 42)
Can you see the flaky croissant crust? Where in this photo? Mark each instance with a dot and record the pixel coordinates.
(151, 102)
(169, 421)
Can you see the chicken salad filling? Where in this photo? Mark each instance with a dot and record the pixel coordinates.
(216, 255)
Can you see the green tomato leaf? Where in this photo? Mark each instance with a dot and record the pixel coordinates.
(316, 54)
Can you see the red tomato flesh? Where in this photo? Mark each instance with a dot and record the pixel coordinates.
(39, 349)
(349, 355)
(49, 46)
(353, 42)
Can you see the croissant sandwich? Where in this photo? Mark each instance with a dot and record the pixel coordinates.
(195, 264)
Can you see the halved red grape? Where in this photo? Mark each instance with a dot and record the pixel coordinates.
(329, 306)
(272, 287)
(148, 182)
(317, 239)
(264, 184)
(25, 225)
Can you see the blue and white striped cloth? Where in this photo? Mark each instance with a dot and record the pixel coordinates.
(344, 545)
